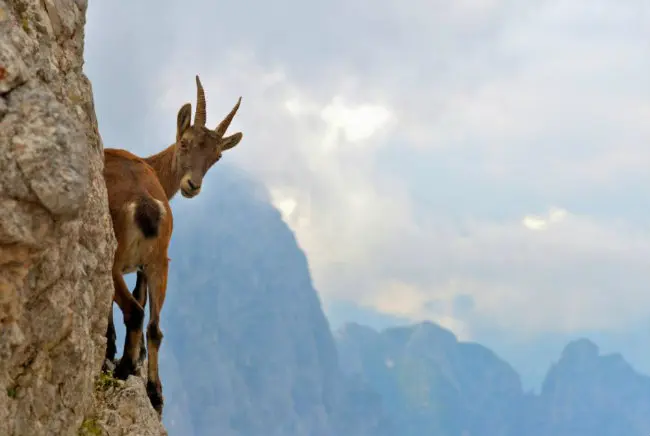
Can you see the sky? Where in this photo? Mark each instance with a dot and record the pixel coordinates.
(484, 164)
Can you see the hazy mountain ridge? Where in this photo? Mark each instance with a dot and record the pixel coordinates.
(248, 350)
(471, 391)
(434, 382)
(589, 393)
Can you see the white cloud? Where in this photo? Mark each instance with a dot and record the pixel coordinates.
(534, 222)
(358, 123)
(284, 203)
(412, 158)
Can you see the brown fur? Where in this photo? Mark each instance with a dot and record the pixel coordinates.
(139, 190)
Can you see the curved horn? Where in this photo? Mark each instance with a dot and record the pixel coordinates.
(223, 125)
(199, 116)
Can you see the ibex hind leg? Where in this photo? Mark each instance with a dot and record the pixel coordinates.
(133, 317)
(158, 280)
(111, 347)
(140, 294)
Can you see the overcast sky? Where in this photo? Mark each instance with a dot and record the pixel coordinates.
(480, 163)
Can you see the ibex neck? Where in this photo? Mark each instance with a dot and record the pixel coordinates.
(164, 163)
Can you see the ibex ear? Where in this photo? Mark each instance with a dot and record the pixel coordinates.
(230, 141)
(183, 120)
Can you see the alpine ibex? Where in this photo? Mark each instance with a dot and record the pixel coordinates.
(139, 190)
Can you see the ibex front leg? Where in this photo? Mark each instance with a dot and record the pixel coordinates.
(140, 294)
(157, 277)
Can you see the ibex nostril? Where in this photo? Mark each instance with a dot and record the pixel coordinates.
(192, 185)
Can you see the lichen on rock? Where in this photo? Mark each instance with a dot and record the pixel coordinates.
(121, 408)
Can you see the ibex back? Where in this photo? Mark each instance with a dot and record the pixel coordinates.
(139, 190)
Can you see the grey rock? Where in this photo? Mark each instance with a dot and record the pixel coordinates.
(50, 149)
(13, 70)
(56, 239)
(124, 410)
(82, 4)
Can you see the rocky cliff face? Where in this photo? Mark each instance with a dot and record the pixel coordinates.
(588, 393)
(247, 348)
(56, 241)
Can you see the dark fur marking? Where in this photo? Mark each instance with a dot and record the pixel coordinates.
(111, 338)
(135, 318)
(148, 216)
(124, 369)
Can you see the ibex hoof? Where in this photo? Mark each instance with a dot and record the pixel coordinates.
(124, 369)
(156, 397)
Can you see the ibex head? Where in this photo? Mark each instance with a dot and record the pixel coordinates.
(198, 148)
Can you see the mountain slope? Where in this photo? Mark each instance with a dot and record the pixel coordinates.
(433, 384)
(586, 393)
(247, 348)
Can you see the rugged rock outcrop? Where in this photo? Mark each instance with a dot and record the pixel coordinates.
(247, 349)
(56, 241)
(121, 409)
(589, 393)
(430, 382)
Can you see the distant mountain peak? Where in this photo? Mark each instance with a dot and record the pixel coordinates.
(437, 330)
(581, 348)
(354, 330)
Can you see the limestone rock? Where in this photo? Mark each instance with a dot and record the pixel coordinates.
(56, 240)
(122, 409)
